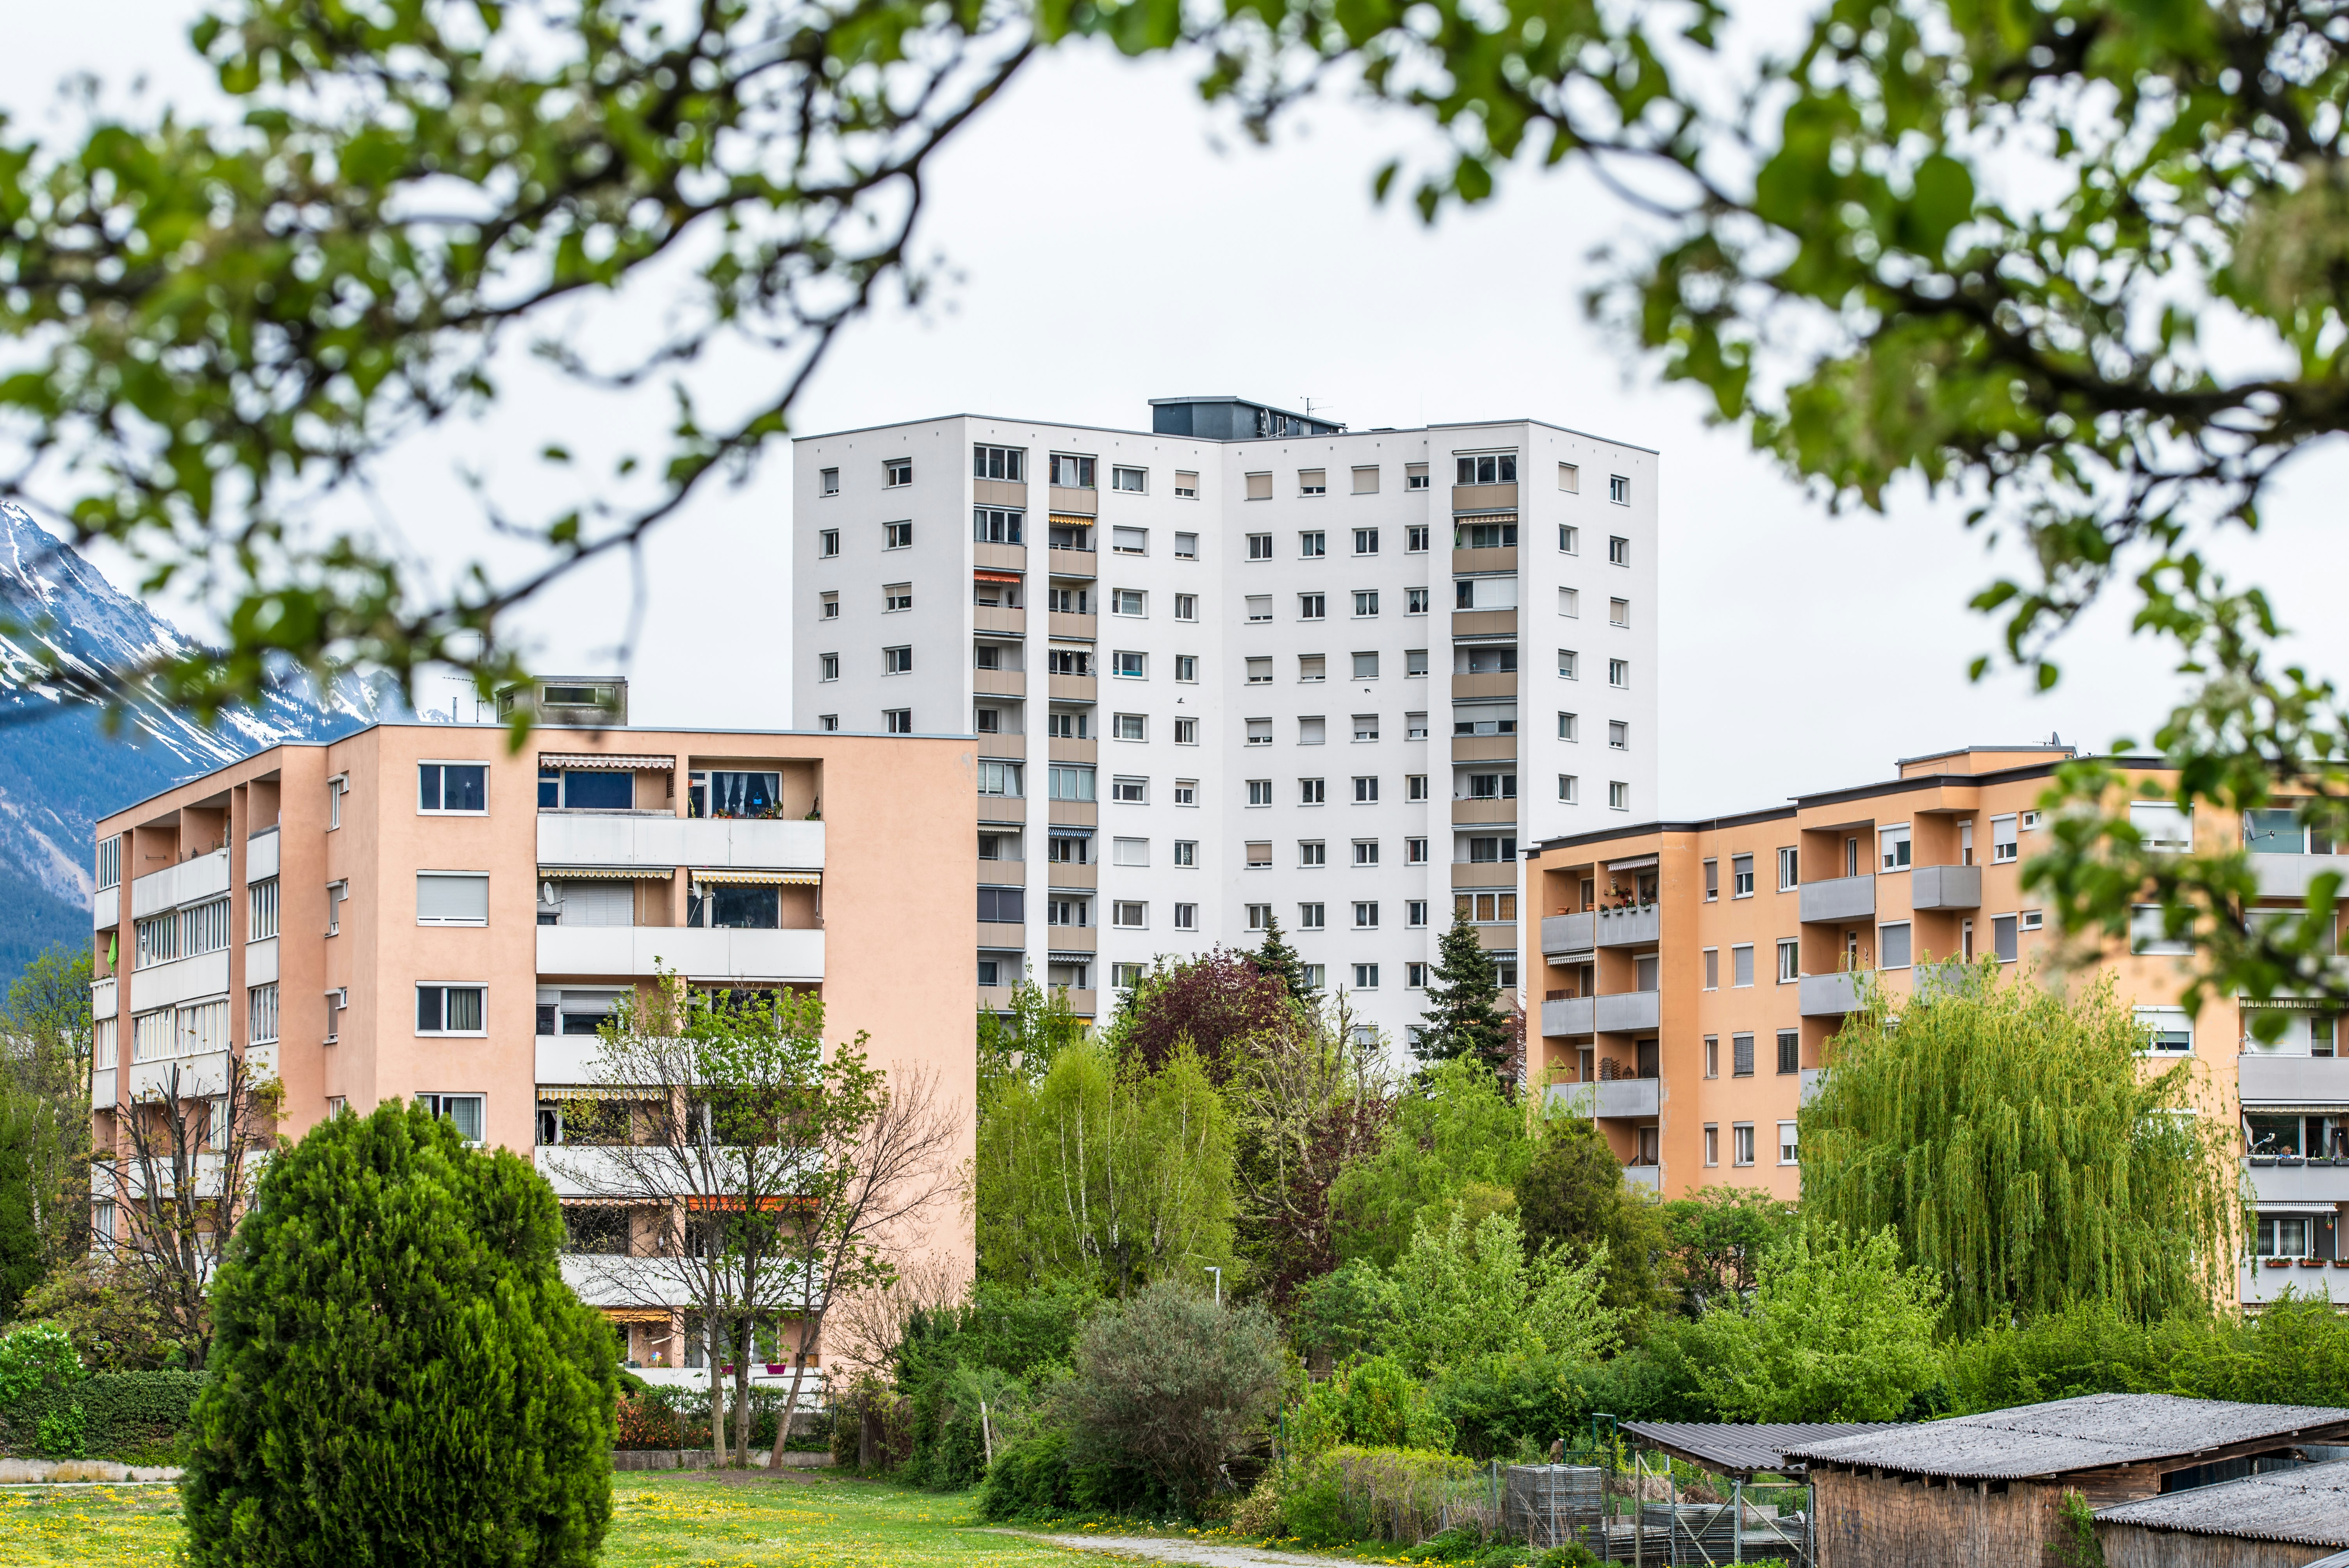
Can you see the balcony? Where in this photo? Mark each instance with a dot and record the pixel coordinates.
(1504, 559)
(1944, 887)
(180, 980)
(2282, 1083)
(607, 952)
(1075, 688)
(2309, 1181)
(1636, 927)
(1569, 933)
(197, 878)
(1012, 494)
(261, 961)
(568, 1058)
(1002, 936)
(1608, 1097)
(2289, 876)
(1812, 1078)
(102, 999)
(1569, 1016)
(1084, 1004)
(1077, 943)
(1068, 561)
(998, 557)
(997, 621)
(659, 842)
(1065, 749)
(1839, 899)
(1483, 622)
(197, 1076)
(1073, 499)
(1831, 996)
(1490, 811)
(1484, 747)
(1068, 623)
(1482, 498)
(1628, 1012)
(105, 909)
(1076, 813)
(1498, 682)
(1483, 874)
(1498, 938)
(998, 683)
(261, 855)
(1652, 1177)
(1007, 748)
(1075, 878)
(2261, 1284)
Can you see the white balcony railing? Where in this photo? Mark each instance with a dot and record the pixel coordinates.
(610, 952)
(663, 842)
(200, 877)
(180, 980)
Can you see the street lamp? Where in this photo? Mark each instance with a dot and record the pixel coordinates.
(1219, 1281)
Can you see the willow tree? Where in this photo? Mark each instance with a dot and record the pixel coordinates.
(2020, 1145)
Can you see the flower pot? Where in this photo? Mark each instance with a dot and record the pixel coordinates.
(2276, 1263)
(2263, 1159)
(2290, 1159)
(2312, 1262)
(779, 1369)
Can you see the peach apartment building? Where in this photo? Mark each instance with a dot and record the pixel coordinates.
(417, 910)
(1691, 974)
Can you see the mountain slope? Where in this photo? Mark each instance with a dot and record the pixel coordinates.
(60, 771)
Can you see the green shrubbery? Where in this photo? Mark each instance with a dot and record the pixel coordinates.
(139, 1416)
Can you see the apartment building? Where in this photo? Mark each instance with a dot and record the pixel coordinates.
(419, 910)
(1245, 664)
(1693, 972)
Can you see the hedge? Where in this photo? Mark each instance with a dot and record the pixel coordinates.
(124, 1415)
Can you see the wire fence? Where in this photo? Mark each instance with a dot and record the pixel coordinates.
(1631, 1505)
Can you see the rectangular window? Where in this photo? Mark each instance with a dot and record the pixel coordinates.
(1787, 1143)
(1072, 472)
(1415, 539)
(1130, 665)
(1741, 965)
(338, 892)
(1186, 670)
(1312, 853)
(1070, 911)
(897, 473)
(1311, 916)
(452, 898)
(1569, 539)
(1312, 481)
(1366, 727)
(896, 661)
(1619, 490)
(1789, 869)
(1259, 546)
(827, 666)
(1260, 606)
(1312, 667)
(1366, 790)
(827, 543)
(453, 789)
(1066, 783)
(1311, 792)
(1312, 731)
(1892, 846)
(336, 787)
(1129, 790)
(2148, 933)
(261, 910)
(896, 596)
(1414, 786)
(1187, 854)
(1186, 488)
(463, 1109)
(1187, 607)
(1569, 665)
(1128, 602)
(1259, 915)
(1366, 851)
(1619, 673)
(1569, 478)
(1366, 666)
(1134, 481)
(1619, 736)
(206, 928)
(1711, 1140)
(994, 525)
(896, 536)
(830, 603)
(1186, 732)
(1366, 976)
(1712, 968)
(2171, 1029)
(828, 480)
(1186, 917)
(1569, 788)
(260, 1015)
(1366, 915)
(1128, 542)
(1186, 793)
(1366, 539)
(1892, 945)
(1003, 906)
(2001, 938)
(1000, 463)
(1487, 468)
(1366, 603)
(1619, 551)
(999, 779)
(1128, 914)
(449, 1010)
(1259, 791)
(1741, 1142)
(1130, 726)
(1790, 1051)
(1414, 727)
(1414, 913)
(1259, 671)
(1741, 876)
(1312, 606)
(1790, 962)
(1619, 612)
(109, 862)
(1619, 795)
(1414, 476)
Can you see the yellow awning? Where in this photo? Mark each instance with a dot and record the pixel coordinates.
(759, 879)
(605, 760)
(594, 1091)
(605, 873)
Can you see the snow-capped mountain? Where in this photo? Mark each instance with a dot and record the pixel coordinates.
(60, 771)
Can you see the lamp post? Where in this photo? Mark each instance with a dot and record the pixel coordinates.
(1219, 1281)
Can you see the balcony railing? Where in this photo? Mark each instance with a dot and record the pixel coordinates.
(1831, 996)
(615, 951)
(1945, 887)
(1569, 933)
(1569, 1016)
(1608, 1097)
(1628, 1012)
(661, 842)
(1638, 926)
(201, 876)
(1839, 899)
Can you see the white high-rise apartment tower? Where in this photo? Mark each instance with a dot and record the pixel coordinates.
(1247, 663)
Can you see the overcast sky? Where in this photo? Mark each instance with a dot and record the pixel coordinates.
(1111, 241)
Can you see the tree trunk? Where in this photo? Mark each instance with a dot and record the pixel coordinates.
(808, 1329)
(717, 1389)
(742, 1348)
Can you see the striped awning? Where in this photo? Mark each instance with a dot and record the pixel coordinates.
(1058, 956)
(603, 759)
(1062, 830)
(605, 873)
(730, 877)
(996, 577)
(595, 1091)
(636, 1314)
(1071, 519)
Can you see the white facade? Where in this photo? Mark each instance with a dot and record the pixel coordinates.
(1412, 701)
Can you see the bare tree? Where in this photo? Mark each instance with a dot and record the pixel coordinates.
(191, 1149)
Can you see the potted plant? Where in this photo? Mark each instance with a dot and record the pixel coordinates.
(2290, 1159)
(2277, 1262)
(2263, 1159)
(2312, 1262)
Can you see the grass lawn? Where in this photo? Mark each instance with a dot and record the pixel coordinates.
(657, 1521)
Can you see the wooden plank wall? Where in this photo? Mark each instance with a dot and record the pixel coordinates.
(1871, 1522)
(2134, 1546)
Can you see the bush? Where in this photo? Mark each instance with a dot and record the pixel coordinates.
(399, 1373)
(999, 1349)
(140, 1416)
(38, 1356)
(1384, 1494)
(63, 1433)
(1372, 1403)
(1168, 1386)
(1030, 1479)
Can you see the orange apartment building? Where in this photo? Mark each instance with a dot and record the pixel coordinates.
(1691, 975)
(417, 910)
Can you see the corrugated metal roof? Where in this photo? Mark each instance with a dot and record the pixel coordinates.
(1735, 1449)
(2065, 1434)
(2308, 1505)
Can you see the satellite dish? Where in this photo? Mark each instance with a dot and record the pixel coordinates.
(546, 892)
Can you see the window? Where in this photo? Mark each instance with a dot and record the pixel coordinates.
(452, 898)
(1619, 612)
(1569, 788)
(1366, 790)
(1789, 868)
(1366, 915)
(1569, 665)
(1312, 606)
(1415, 912)
(1130, 726)
(1492, 787)
(2029, 919)
(1487, 468)
(1260, 732)
(452, 788)
(897, 721)
(464, 1109)
(1311, 917)
(1711, 881)
(1415, 976)
(1187, 607)
(1128, 602)
(1366, 727)
(1186, 793)
(260, 1014)
(1186, 670)
(2170, 1028)
(1713, 968)
(1787, 1143)
(896, 472)
(827, 666)
(2001, 937)
(1066, 783)
(829, 480)
(896, 661)
(109, 862)
(1130, 664)
(2148, 933)
(1790, 961)
(999, 846)
(1259, 915)
(336, 787)
(1569, 478)
(1366, 976)
(1619, 736)
(260, 908)
(449, 1010)
(1186, 917)
(1260, 606)
(1484, 535)
(1128, 542)
(1187, 730)
(1187, 854)
(999, 779)
(1414, 727)
(896, 596)
(1619, 673)
(1310, 792)
(1070, 911)
(1312, 481)
(1741, 1055)
(1312, 731)
(830, 603)
(1136, 481)
(1741, 965)
(206, 928)
(338, 892)
(1790, 1051)
(1129, 852)
(1312, 667)
(827, 543)
(1741, 876)
(1619, 795)
(993, 525)
(896, 536)
(1711, 1138)
(1415, 540)
(1366, 665)
(1892, 844)
(1741, 1142)
(1129, 915)
(1072, 472)
(1129, 790)
(1619, 551)
(1366, 603)
(1569, 539)
(1186, 487)
(1619, 490)
(1259, 546)
(1414, 476)
(1366, 851)
(2002, 839)
(1003, 906)
(1000, 463)
(1312, 853)
(1414, 852)
(1258, 672)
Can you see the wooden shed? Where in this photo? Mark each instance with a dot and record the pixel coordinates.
(1986, 1491)
(2278, 1519)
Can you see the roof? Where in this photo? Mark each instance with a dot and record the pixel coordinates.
(1737, 1449)
(2309, 1504)
(2093, 1432)
(1157, 435)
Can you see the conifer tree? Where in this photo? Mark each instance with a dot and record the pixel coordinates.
(1277, 958)
(1463, 1015)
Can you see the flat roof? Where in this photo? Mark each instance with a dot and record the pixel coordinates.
(2308, 1505)
(1213, 441)
(1733, 1447)
(2095, 1431)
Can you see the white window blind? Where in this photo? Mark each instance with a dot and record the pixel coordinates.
(452, 898)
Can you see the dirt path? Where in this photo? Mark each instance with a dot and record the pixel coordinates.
(1196, 1553)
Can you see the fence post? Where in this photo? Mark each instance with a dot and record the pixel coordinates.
(1738, 1501)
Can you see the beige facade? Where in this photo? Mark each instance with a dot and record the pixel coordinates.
(419, 909)
(1690, 974)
